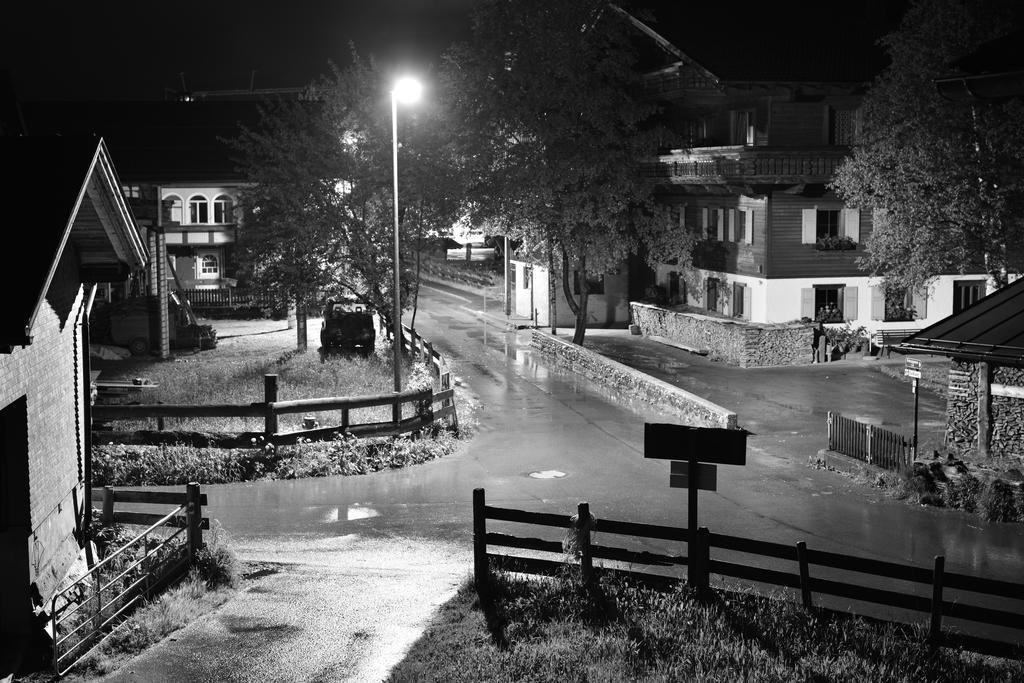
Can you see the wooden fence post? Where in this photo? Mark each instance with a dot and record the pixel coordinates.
(828, 429)
(479, 539)
(269, 396)
(193, 520)
(702, 555)
(805, 575)
(935, 632)
(107, 517)
(583, 524)
(870, 430)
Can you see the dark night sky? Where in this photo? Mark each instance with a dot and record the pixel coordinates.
(135, 49)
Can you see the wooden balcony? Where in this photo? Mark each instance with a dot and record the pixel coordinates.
(748, 165)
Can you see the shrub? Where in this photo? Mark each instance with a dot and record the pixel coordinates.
(962, 493)
(997, 503)
(216, 562)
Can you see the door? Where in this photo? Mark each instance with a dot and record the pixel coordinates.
(712, 302)
(15, 523)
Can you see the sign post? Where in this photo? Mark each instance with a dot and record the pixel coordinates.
(691, 449)
(913, 371)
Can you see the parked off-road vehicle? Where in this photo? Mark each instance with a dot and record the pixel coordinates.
(347, 328)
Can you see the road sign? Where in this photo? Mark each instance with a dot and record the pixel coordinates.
(705, 444)
(912, 372)
(913, 364)
(707, 476)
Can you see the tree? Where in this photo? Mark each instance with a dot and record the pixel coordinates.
(944, 178)
(553, 127)
(318, 204)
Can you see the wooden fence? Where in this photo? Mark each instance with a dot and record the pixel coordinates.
(85, 611)
(799, 576)
(428, 407)
(229, 298)
(868, 443)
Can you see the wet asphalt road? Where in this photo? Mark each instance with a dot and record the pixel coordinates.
(355, 565)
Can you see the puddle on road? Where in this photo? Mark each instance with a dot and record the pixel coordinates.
(547, 474)
(352, 512)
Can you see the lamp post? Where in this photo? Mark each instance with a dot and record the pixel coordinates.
(406, 90)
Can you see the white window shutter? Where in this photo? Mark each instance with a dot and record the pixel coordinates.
(851, 224)
(705, 219)
(807, 303)
(731, 216)
(720, 223)
(746, 303)
(748, 226)
(877, 303)
(682, 215)
(919, 300)
(849, 303)
(809, 231)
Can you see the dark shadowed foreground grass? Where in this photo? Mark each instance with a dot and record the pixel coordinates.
(535, 629)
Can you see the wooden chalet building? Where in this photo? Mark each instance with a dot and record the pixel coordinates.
(79, 232)
(766, 108)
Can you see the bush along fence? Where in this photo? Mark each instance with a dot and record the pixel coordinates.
(427, 407)
(868, 443)
(85, 611)
(579, 549)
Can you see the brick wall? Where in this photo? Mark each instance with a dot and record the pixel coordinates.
(694, 410)
(735, 342)
(48, 374)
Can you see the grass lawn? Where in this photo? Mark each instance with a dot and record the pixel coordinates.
(539, 629)
(234, 372)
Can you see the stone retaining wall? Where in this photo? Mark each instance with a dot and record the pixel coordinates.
(962, 410)
(696, 411)
(732, 341)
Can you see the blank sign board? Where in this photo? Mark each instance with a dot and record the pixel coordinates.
(707, 476)
(706, 444)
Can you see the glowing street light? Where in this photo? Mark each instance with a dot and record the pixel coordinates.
(406, 90)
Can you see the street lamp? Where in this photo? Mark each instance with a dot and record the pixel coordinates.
(407, 90)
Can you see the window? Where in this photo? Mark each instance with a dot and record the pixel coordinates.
(740, 299)
(222, 206)
(966, 292)
(828, 303)
(827, 223)
(173, 209)
(198, 210)
(131, 191)
(742, 128)
(209, 266)
(595, 283)
(712, 294)
(842, 126)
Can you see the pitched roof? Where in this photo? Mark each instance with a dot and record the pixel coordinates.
(822, 42)
(66, 192)
(154, 141)
(990, 330)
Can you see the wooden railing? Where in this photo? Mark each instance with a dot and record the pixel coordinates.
(228, 298)
(551, 557)
(722, 164)
(83, 612)
(868, 443)
(428, 407)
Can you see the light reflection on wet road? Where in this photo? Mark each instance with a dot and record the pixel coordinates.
(536, 418)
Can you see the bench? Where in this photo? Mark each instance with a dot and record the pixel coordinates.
(886, 339)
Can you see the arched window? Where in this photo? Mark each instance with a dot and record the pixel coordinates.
(209, 266)
(173, 208)
(198, 209)
(222, 206)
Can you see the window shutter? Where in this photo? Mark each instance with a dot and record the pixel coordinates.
(748, 226)
(807, 303)
(682, 215)
(920, 303)
(730, 215)
(877, 303)
(746, 303)
(849, 303)
(720, 223)
(705, 219)
(851, 224)
(810, 226)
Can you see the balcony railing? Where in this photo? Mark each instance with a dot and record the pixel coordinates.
(711, 165)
